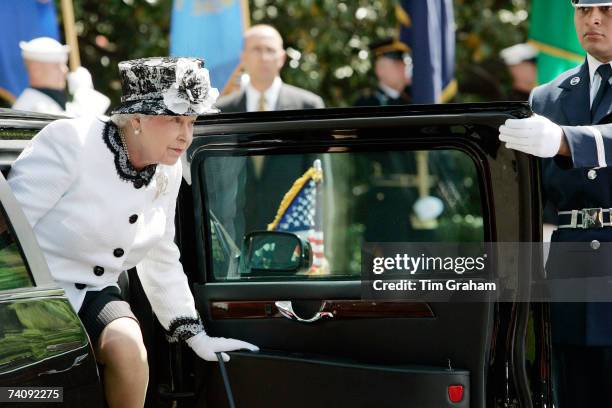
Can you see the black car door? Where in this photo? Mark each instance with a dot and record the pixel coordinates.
(42, 341)
(433, 174)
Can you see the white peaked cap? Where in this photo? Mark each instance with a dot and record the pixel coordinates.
(44, 49)
(518, 53)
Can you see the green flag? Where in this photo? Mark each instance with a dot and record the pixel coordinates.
(558, 43)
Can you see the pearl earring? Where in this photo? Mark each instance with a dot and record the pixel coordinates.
(136, 132)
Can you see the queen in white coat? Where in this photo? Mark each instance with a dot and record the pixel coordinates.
(101, 197)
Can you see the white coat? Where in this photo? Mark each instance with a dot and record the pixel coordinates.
(32, 100)
(86, 101)
(92, 222)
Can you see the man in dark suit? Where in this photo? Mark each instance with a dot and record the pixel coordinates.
(393, 68)
(574, 135)
(262, 181)
(263, 58)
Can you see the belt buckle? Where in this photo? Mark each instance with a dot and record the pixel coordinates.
(592, 218)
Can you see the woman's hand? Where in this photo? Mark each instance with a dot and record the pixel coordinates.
(206, 346)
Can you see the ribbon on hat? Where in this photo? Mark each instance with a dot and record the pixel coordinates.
(191, 89)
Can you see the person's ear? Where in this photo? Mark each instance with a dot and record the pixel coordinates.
(282, 58)
(243, 53)
(379, 68)
(136, 123)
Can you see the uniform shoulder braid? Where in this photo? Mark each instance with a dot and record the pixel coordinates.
(124, 168)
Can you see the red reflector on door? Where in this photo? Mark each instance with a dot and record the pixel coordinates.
(455, 393)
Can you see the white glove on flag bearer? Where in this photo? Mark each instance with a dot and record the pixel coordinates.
(206, 346)
(79, 78)
(85, 99)
(535, 135)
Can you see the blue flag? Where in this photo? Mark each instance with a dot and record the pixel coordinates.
(21, 20)
(427, 27)
(212, 30)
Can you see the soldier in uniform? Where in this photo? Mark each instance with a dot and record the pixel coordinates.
(521, 62)
(392, 177)
(572, 131)
(393, 68)
(45, 59)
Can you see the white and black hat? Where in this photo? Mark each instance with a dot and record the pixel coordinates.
(166, 86)
(590, 3)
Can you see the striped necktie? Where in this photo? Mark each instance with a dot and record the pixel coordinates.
(261, 104)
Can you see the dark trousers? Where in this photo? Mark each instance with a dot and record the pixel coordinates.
(582, 376)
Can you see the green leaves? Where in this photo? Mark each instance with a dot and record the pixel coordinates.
(327, 41)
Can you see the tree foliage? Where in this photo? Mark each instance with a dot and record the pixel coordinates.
(484, 28)
(326, 40)
(110, 31)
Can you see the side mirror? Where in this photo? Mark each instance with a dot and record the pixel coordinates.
(274, 253)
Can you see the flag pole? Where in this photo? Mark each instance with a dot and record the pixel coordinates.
(246, 15)
(70, 34)
(232, 82)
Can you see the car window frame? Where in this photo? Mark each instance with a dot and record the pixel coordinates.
(221, 135)
(10, 146)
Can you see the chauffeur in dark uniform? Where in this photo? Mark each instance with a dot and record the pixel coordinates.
(574, 136)
(393, 68)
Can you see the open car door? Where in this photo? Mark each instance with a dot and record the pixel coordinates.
(334, 181)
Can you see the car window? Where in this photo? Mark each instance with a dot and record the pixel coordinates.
(14, 272)
(34, 330)
(337, 202)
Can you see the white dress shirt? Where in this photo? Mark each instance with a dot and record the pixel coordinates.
(270, 96)
(390, 92)
(595, 79)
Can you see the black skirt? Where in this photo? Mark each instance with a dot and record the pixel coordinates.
(102, 307)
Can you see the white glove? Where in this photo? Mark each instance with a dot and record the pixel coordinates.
(79, 78)
(88, 101)
(535, 135)
(428, 208)
(206, 347)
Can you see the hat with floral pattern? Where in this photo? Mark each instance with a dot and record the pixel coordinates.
(166, 86)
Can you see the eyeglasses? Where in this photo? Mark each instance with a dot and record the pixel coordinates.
(264, 51)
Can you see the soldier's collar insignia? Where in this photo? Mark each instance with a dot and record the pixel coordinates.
(575, 81)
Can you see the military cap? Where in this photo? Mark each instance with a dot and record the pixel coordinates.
(44, 49)
(590, 3)
(390, 48)
(519, 53)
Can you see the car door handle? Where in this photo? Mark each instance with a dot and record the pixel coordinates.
(77, 362)
(286, 309)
